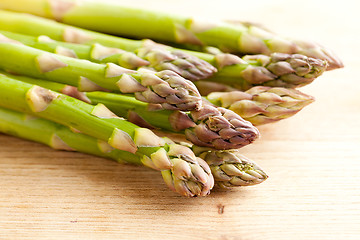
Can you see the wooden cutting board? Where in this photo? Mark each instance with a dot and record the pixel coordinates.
(313, 160)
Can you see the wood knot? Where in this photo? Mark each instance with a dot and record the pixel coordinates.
(220, 208)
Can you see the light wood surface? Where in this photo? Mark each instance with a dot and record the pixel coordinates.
(313, 160)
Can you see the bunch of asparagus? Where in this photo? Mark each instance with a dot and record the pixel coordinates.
(69, 85)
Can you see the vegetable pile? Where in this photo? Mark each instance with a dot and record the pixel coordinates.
(70, 79)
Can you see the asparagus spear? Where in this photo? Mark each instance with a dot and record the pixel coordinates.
(230, 168)
(182, 171)
(278, 69)
(141, 23)
(258, 105)
(231, 68)
(214, 127)
(165, 87)
(151, 55)
(211, 126)
(261, 105)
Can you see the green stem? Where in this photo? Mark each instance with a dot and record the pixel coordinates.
(35, 26)
(123, 105)
(41, 42)
(165, 87)
(50, 133)
(151, 56)
(25, 60)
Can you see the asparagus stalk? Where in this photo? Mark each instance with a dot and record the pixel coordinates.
(258, 105)
(211, 126)
(166, 87)
(151, 55)
(261, 105)
(141, 23)
(276, 70)
(230, 168)
(182, 171)
(231, 69)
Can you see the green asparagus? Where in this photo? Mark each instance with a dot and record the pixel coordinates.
(211, 126)
(141, 23)
(166, 87)
(230, 168)
(151, 55)
(231, 69)
(182, 171)
(258, 105)
(261, 105)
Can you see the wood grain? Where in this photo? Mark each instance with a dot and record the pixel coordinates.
(313, 160)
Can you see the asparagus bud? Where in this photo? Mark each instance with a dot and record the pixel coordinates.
(276, 70)
(293, 70)
(230, 168)
(220, 128)
(189, 175)
(261, 105)
(318, 51)
(170, 90)
(162, 57)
